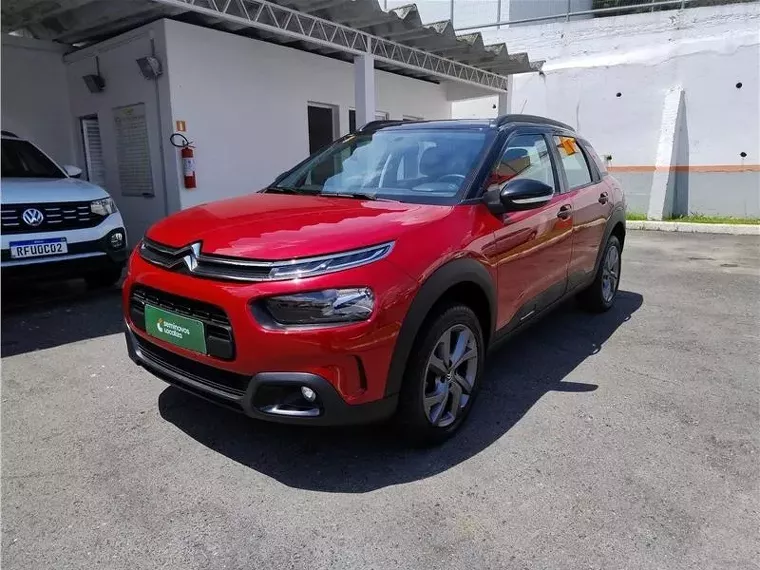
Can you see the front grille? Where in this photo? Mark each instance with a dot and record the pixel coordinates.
(229, 382)
(188, 259)
(208, 266)
(219, 339)
(57, 216)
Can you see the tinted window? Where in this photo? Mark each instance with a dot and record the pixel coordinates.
(21, 159)
(414, 165)
(600, 164)
(526, 156)
(573, 161)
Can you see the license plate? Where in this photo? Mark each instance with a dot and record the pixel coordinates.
(176, 329)
(38, 248)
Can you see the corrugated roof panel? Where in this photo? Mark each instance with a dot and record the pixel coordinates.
(88, 21)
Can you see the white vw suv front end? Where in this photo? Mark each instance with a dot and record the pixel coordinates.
(54, 225)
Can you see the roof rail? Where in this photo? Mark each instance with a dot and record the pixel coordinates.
(373, 125)
(8, 134)
(504, 119)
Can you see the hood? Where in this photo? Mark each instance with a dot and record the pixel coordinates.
(280, 226)
(41, 190)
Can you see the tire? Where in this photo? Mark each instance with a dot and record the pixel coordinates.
(427, 412)
(601, 294)
(105, 278)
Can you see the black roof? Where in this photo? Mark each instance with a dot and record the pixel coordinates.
(535, 119)
(467, 123)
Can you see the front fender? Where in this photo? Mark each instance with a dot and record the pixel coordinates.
(617, 217)
(463, 270)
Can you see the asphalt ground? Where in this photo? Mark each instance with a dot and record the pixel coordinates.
(622, 441)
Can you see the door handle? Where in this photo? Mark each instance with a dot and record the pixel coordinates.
(565, 212)
(604, 198)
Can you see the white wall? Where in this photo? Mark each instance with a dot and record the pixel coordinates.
(125, 86)
(467, 13)
(245, 105)
(35, 99)
(706, 51)
(524, 9)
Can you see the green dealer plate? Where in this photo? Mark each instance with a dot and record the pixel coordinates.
(176, 329)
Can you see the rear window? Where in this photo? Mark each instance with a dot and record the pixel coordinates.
(21, 159)
(600, 165)
(574, 162)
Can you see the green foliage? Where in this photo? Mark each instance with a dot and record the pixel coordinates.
(697, 219)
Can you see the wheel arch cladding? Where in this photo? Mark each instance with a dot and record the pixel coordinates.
(462, 280)
(618, 231)
(615, 226)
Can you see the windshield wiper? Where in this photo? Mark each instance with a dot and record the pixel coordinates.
(289, 190)
(359, 195)
(292, 190)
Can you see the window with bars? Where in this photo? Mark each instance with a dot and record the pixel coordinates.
(93, 150)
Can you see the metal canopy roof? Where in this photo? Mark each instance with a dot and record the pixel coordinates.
(398, 39)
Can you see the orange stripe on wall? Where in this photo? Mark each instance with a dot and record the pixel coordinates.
(685, 168)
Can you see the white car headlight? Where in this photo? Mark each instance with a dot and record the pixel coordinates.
(104, 207)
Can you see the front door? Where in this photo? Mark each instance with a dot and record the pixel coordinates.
(531, 249)
(592, 205)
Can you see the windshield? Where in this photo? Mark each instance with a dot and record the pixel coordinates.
(410, 165)
(21, 159)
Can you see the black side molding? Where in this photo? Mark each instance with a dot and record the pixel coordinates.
(617, 217)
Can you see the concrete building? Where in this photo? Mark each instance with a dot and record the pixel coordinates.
(671, 96)
(256, 86)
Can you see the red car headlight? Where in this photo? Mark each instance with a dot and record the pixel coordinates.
(326, 307)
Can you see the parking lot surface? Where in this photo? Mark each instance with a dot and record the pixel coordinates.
(621, 441)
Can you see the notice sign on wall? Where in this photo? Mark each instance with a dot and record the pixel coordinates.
(133, 150)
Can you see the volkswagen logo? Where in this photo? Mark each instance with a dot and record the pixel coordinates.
(32, 217)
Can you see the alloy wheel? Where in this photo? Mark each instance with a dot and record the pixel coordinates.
(450, 375)
(610, 274)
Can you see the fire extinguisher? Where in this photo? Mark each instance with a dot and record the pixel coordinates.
(188, 159)
(188, 166)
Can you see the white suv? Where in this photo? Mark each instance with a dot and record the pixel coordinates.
(53, 225)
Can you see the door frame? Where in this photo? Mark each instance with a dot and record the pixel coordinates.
(85, 147)
(335, 116)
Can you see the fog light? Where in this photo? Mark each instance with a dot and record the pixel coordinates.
(117, 240)
(308, 394)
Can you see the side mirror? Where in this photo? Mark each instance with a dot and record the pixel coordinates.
(72, 171)
(518, 195)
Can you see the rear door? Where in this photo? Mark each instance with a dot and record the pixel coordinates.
(531, 249)
(591, 201)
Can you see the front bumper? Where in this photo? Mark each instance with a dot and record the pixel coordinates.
(89, 251)
(346, 365)
(70, 267)
(249, 394)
